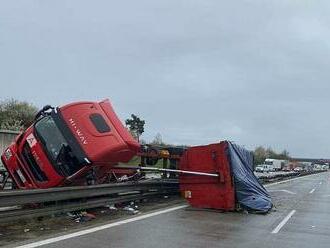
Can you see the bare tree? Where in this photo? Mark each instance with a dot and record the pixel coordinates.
(158, 140)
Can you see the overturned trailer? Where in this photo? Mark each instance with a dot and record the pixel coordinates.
(234, 187)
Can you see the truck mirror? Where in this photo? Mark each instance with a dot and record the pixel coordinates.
(42, 111)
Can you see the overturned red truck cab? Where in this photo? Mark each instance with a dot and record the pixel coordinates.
(64, 143)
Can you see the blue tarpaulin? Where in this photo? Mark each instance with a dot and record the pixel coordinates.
(250, 193)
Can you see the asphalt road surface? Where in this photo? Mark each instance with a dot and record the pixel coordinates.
(302, 219)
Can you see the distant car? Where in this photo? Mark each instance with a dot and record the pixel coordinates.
(298, 169)
(264, 168)
(259, 168)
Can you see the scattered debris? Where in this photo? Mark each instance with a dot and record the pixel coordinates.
(123, 178)
(26, 230)
(111, 207)
(132, 208)
(71, 215)
(81, 216)
(134, 205)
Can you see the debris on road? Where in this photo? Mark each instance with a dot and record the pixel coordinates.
(111, 207)
(81, 216)
(132, 208)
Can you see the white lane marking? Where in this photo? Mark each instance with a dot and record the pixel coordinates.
(283, 190)
(98, 228)
(289, 180)
(312, 191)
(283, 222)
(9, 208)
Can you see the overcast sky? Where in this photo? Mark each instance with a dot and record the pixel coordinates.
(255, 72)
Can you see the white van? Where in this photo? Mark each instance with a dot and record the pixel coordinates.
(264, 168)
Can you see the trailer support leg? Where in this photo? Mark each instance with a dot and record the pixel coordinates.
(165, 162)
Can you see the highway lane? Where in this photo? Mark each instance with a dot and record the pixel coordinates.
(310, 225)
(301, 219)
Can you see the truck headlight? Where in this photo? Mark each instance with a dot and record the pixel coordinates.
(8, 154)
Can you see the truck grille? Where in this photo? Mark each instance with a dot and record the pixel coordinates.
(37, 173)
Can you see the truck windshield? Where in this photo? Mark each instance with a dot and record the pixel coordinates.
(56, 147)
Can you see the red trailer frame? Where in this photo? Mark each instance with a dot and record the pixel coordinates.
(205, 191)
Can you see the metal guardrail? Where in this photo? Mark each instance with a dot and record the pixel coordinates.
(22, 197)
(28, 213)
(269, 178)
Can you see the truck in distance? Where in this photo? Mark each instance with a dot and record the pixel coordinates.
(277, 164)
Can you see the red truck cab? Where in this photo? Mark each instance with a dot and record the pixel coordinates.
(64, 143)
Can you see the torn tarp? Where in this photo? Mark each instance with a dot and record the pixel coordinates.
(250, 193)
